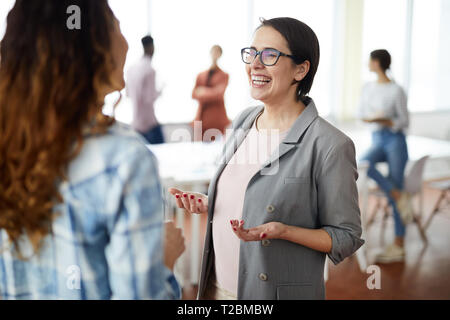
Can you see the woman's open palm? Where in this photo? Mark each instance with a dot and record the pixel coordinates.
(193, 202)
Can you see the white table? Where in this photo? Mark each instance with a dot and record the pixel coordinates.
(190, 166)
(417, 146)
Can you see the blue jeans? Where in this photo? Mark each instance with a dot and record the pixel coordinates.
(390, 147)
(154, 135)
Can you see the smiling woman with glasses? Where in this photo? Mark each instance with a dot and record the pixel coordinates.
(271, 222)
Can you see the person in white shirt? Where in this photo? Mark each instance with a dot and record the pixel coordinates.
(141, 88)
(383, 105)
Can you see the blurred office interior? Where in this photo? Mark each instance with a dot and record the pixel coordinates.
(415, 32)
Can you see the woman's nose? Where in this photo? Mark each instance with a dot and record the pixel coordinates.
(256, 64)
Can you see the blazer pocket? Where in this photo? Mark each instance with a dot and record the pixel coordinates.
(296, 180)
(296, 291)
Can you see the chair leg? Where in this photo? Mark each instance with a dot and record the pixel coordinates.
(417, 217)
(435, 210)
(386, 210)
(373, 214)
(383, 221)
(421, 206)
(421, 229)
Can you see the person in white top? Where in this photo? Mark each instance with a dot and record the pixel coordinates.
(383, 105)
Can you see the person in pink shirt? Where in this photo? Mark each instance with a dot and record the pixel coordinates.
(141, 88)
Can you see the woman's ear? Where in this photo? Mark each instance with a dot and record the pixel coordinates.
(302, 70)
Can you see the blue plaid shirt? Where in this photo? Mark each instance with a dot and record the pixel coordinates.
(107, 239)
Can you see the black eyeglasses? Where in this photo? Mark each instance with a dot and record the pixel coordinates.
(268, 57)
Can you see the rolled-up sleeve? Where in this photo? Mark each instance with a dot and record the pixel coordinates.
(338, 206)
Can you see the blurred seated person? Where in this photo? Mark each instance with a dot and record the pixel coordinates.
(384, 105)
(141, 88)
(209, 91)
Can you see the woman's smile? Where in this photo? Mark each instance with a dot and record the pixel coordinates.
(259, 81)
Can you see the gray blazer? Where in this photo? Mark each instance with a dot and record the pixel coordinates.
(311, 183)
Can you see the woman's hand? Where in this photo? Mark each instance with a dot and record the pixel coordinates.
(173, 244)
(200, 91)
(192, 202)
(271, 230)
(316, 239)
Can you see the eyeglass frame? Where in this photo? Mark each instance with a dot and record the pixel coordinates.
(259, 53)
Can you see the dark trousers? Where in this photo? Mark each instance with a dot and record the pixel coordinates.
(154, 135)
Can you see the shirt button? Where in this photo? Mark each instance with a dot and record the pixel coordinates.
(263, 276)
(265, 243)
(270, 208)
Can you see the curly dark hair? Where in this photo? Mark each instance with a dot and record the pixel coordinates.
(51, 81)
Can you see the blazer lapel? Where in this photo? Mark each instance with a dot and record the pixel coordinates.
(236, 139)
(290, 142)
(294, 136)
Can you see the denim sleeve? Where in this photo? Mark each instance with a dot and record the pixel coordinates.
(135, 251)
(338, 201)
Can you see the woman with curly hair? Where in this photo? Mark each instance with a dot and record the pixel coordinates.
(80, 199)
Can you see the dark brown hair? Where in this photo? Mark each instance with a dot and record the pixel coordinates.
(51, 80)
(304, 45)
(383, 57)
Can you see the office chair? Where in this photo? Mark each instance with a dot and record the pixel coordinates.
(444, 187)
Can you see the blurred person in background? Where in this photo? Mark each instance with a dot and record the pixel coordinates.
(209, 91)
(80, 198)
(383, 105)
(141, 88)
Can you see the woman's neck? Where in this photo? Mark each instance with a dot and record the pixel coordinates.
(280, 116)
(214, 66)
(383, 78)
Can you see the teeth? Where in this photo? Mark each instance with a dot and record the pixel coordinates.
(260, 79)
(259, 82)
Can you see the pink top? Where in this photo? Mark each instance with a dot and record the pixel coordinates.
(141, 88)
(254, 151)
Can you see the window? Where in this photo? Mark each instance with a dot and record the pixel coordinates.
(184, 32)
(430, 64)
(319, 15)
(420, 64)
(134, 23)
(384, 27)
(5, 7)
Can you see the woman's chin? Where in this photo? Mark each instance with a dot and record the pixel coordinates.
(257, 94)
